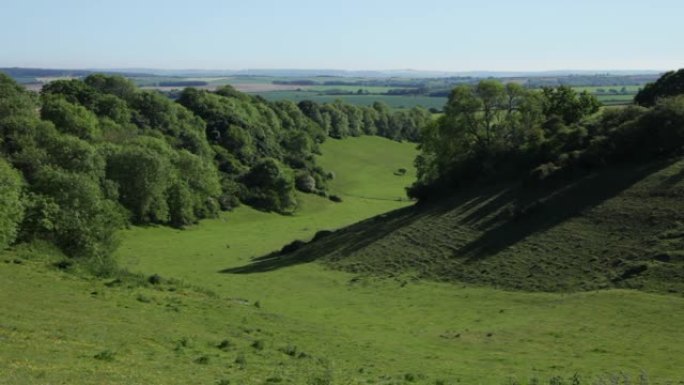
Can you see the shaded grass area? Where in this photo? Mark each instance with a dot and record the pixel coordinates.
(618, 227)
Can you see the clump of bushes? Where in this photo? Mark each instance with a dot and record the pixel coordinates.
(11, 205)
(305, 182)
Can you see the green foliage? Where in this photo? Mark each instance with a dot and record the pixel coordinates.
(70, 210)
(196, 191)
(565, 103)
(70, 153)
(305, 182)
(271, 187)
(164, 162)
(70, 118)
(14, 101)
(493, 131)
(670, 84)
(479, 125)
(113, 108)
(11, 205)
(118, 86)
(74, 91)
(143, 172)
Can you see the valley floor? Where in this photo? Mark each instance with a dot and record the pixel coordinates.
(307, 324)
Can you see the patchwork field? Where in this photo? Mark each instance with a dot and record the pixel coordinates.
(394, 101)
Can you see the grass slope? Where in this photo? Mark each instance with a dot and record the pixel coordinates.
(56, 327)
(367, 167)
(353, 329)
(619, 227)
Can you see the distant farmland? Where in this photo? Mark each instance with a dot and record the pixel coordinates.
(394, 101)
(397, 92)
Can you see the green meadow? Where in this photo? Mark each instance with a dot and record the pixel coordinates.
(478, 335)
(307, 324)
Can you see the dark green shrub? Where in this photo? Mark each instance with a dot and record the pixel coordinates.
(670, 84)
(70, 210)
(270, 187)
(305, 182)
(11, 205)
(70, 118)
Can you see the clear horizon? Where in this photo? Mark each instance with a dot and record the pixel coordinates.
(435, 35)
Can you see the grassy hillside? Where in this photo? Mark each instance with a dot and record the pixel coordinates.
(57, 327)
(619, 227)
(368, 167)
(388, 330)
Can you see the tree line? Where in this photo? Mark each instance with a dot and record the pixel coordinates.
(492, 131)
(87, 157)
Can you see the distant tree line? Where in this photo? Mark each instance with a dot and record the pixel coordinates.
(441, 87)
(495, 131)
(183, 83)
(86, 157)
(597, 80)
(370, 82)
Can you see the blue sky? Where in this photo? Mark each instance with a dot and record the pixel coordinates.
(344, 34)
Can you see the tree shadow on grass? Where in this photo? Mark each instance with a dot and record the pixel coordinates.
(673, 179)
(536, 209)
(343, 242)
(539, 210)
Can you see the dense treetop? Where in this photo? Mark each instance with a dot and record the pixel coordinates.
(670, 84)
(496, 131)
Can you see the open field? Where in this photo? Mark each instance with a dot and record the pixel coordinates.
(632, 89)
(404, 328)
(351, 329)
(368, 89)
(616, 99)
